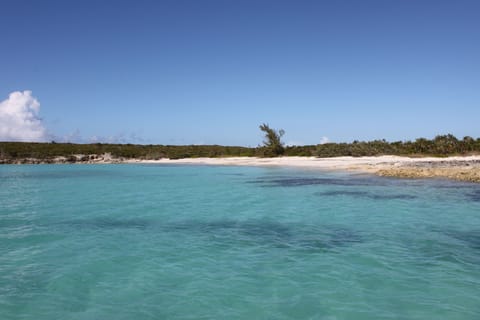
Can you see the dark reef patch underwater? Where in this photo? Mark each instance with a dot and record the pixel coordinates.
(250, 232)
(365, 194)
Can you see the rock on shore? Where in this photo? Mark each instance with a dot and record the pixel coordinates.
(457, 170)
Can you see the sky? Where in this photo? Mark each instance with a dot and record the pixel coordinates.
(210, 72)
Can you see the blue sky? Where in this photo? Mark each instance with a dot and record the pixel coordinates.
(209, 72)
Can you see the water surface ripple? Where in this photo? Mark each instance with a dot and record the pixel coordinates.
(205, 242)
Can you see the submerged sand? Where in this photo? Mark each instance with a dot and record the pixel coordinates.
(458, 168)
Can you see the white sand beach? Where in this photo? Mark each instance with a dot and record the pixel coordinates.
(465, 168)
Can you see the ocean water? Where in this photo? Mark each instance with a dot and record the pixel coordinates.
(207, 242)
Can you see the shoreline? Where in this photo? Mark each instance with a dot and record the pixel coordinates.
(461, 168)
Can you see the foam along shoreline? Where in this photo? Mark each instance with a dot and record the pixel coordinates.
(463, 168)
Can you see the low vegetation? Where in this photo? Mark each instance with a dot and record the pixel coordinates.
(44, 151)
(442, 145)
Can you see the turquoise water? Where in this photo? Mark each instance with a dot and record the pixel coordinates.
(205, 242)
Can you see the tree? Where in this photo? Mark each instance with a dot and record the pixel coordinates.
(468, 144)
(422, 145)
(446, 144)
(273, 144)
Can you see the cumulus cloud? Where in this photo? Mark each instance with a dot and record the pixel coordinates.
(324, 140)
(19, 119)
(118, 138)
(292, 143)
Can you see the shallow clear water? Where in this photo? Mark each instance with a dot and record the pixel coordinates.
(205, 242)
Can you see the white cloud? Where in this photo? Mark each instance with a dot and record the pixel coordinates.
(324, 140)
(19, 119)
(292, 143)
(121, 138)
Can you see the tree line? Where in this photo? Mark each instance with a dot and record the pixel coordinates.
(441, 145)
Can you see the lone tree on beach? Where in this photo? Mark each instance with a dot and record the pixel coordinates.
(273, 144)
